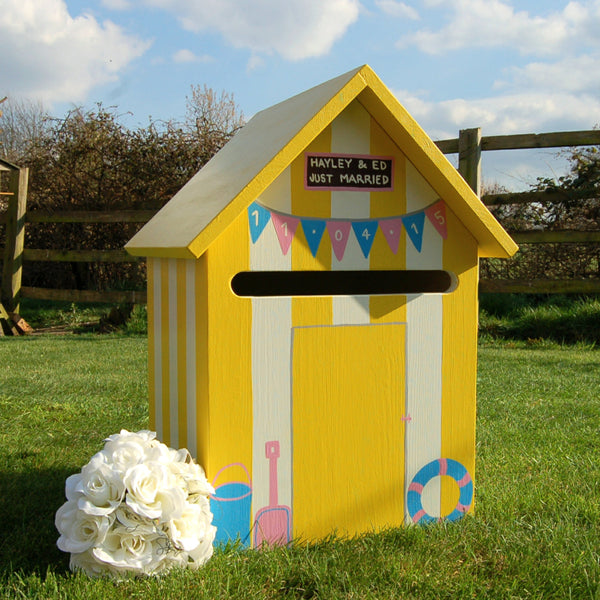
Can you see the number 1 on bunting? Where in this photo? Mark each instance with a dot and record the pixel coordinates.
(285, 228)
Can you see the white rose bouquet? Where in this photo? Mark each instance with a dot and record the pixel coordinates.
(137, 508)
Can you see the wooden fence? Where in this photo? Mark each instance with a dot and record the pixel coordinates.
(469, 147)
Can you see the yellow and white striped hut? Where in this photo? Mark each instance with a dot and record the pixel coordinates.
(312, 297)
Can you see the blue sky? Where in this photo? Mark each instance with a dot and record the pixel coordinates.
(506, 66)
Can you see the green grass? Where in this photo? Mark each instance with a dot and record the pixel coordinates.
(535, 532)
(559, 318)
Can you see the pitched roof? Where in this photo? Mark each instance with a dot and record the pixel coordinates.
(187, 225)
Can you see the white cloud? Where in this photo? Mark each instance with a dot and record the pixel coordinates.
(532, 112)
(397, 9)
(495, 23)
(528, 112)
(295, 30)
(187, 56)
(255, 62)
(571, 74)
(117, 4)
(51, 56)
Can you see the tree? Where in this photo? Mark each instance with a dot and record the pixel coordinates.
(572, 202)
(89, 160)
(22, 123)
(210, 119)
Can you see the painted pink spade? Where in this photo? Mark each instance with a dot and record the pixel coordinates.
(272, 525)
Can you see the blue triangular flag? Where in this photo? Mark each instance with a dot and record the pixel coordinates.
(413, 224)
(365, 234)
(258, 217)
(313, 231)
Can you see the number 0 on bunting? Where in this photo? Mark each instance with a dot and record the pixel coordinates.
(339, 232)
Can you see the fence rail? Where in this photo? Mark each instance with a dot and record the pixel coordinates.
(469, 146)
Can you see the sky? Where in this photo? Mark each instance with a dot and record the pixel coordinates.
(507, 66)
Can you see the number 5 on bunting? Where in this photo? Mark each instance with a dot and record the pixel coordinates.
(436, 213)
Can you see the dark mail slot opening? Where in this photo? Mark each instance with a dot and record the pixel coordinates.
(342, 283)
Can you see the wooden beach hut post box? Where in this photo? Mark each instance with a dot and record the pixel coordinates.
(312, 296)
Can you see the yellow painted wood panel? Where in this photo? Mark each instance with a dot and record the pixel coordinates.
(459, 375)
(386, 204)
(151, 307)
(348, 401)
(229, 346)
(182, 441)
(201, 340)
(165, 358)
(310, 311)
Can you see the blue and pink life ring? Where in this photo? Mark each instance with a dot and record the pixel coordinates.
(436, 468)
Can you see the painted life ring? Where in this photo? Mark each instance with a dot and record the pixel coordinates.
(436, 468)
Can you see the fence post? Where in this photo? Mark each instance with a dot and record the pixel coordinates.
(15, 239)
(469, 157)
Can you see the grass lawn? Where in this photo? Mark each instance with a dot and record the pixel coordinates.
(535, 532)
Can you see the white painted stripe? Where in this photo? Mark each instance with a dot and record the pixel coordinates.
(271, 343)
(351, 134)
(424, 351)
(156, 330)
(190, 356)
(173, 375)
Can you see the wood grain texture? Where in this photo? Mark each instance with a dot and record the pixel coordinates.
(347, 472)
(181, 328)
(229, 347)
(109, 296)
(153, 360)
(12, 264)
(424, 350)
(271, 343)
(460, 356)
(308, 311)
(350, 134)
(540, 286)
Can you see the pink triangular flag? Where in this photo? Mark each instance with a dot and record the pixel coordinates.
(391, 230)
(339, 232)
(285, 228)
(436, 213)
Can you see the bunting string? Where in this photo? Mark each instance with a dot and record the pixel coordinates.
(339, 230)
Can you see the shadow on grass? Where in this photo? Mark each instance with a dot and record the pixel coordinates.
(28, 503)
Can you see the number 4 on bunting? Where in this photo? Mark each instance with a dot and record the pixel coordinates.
(365, 235)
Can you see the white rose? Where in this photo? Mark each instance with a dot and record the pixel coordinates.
(124, 454)
(163, 454)
(86, 562)
(196, 480)
(70, 487)
(134, 522)
(164, 562)
(188, 529)
(152, 492)
(204, 550)
(127, 550)
(145, 438)
(78, 530)
(102, 487)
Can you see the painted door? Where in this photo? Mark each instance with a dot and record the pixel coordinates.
(348, 404)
